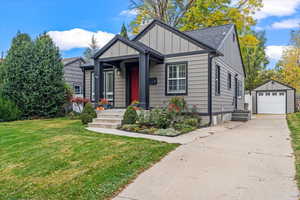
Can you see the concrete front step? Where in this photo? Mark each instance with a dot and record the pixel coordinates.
(242, 119)
(103, 125)
(103, 119)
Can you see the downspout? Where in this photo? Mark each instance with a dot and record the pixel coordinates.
(210, 58)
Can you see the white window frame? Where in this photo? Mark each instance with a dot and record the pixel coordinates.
(177, 78)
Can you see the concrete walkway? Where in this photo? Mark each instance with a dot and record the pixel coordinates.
(253, 161)
(182, 139)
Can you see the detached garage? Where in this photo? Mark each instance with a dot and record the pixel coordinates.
(273, 97)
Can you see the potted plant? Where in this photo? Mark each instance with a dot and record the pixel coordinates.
(104, 103)
(135, 104)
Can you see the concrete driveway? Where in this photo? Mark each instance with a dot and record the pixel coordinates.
(253, 161)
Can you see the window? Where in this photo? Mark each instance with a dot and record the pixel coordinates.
(109, 85)
(217, 80)
(92, 86)
(268, 94)
(229, 81)
(260, 94)
(177, 78)
(274, 94)
(281, 94)
(240, 89)
(77, 89)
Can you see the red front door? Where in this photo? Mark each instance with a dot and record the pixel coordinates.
(134, 84)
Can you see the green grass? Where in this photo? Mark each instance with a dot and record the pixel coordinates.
(294, 125)
(59, 159)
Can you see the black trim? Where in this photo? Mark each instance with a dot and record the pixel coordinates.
(144, 88)
(87, 67)
(229, 81)
(187, 53)
(84, 85)
(175, 31)
(186, 79)
(217, 80)
(91, 86)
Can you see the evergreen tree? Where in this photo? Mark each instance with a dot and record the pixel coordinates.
(33, 76)
(16, 70)
(91, 50)
(124, 32)
(48, 97)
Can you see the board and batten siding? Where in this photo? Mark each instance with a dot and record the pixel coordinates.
(275, 86)
(119, 49)
(197, 82)
(167, 42)
(225, 101)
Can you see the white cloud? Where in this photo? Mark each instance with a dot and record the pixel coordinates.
(286, 24)
(129, 13)
(275, 52)
(277, 8)
(78, 38)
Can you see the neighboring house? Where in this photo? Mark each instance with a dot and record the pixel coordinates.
(204, 66)
(73, 74)
(273, 97)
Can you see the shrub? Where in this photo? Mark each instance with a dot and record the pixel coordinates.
(8, 110)
(192, 122)
(130, 116)
(159, 118)
(88, 114)
(167, 132)
(177, 105)
(86, 118)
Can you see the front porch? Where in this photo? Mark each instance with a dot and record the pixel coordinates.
(129, 61)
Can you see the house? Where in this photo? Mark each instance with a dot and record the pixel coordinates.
(73, 74)
(273, 97)
(204, 66)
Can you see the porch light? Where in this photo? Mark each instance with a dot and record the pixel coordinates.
(119, 71)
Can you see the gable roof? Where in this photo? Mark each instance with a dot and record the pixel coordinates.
(140, 47)
(184, 35)
(271, 80)
(211, 36)
(67, 61)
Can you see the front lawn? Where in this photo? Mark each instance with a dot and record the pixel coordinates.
(59, 159)
(294, 125)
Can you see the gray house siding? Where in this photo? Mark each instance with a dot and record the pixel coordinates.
(73, 74)
(197, 82)
(230, 50)
(275, 86)
(225, 101)
(119, 49)
(166, 42)
(88, 84)
(120, 89)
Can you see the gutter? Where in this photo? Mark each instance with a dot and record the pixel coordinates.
(210, 58)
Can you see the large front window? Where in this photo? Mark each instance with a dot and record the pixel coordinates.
(177, 78)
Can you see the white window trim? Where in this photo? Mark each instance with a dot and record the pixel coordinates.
(177, 78)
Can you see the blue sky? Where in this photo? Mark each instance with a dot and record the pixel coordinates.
(71, 23)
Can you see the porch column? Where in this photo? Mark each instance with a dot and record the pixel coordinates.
(98, 81)
(144, 80)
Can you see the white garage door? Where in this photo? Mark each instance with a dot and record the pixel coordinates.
(271, 102)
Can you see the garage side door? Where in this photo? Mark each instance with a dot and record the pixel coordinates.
(271, 102)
